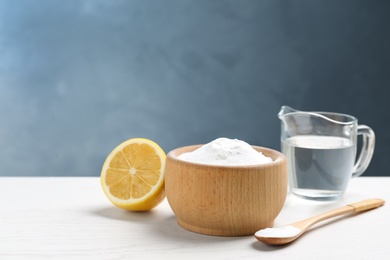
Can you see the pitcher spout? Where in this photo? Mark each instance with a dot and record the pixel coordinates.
(285, 110)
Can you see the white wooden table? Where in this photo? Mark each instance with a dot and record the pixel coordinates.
(70, 218)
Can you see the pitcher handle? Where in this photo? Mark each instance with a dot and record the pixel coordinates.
(367, 150)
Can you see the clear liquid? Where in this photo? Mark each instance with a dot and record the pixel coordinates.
(319, 167)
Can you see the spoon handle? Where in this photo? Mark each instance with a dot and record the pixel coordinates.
(367, 204)
(350, 208)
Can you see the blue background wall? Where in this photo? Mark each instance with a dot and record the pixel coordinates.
(79, 77)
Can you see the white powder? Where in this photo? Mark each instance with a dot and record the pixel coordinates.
(225, 151)
(285, 231)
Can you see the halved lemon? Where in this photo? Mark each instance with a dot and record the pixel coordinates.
(132, 176)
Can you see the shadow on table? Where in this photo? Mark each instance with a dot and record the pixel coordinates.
(170, 229)
(163, 225)
(115, 213)
(167, 227)
(267, 248)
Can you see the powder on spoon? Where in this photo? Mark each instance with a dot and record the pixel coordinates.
(285, 231)
(225, 151)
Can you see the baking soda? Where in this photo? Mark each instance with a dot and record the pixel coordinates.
(225, 151)
(286, 231)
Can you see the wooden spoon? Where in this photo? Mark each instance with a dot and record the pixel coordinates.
(286, 234)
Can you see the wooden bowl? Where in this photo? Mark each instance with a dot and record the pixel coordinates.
(225, 200)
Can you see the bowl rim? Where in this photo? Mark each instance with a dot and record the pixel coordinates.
(278, 160)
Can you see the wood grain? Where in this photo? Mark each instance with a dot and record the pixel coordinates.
(225, 200)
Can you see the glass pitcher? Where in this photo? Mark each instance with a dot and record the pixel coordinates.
(321, 150)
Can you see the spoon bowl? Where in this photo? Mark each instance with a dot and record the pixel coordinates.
(278, 240)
